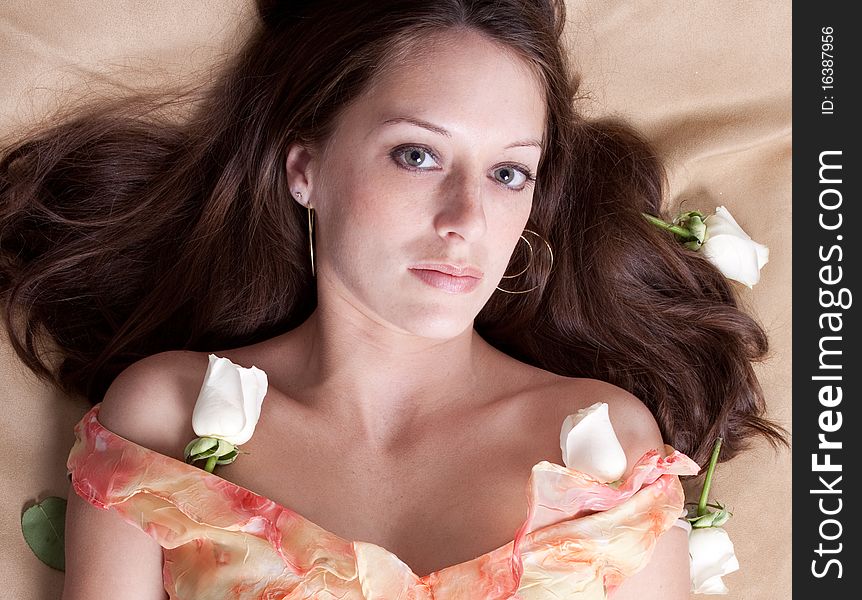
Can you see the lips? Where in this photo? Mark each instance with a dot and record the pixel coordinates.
(454, 284)
(451, 269)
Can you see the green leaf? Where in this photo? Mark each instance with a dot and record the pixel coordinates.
(44, 528)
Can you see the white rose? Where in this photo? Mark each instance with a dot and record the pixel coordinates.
(712, 556)
(731, 250)
(228, 405)
(589, 444)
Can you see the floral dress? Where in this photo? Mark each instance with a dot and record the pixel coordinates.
(580, 539)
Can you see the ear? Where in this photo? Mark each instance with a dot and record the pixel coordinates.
(299, 172)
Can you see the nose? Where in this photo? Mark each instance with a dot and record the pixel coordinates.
(462, 211)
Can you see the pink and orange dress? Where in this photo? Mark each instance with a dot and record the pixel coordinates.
(580, 539)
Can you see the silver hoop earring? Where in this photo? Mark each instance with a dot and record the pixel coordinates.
(530, 246)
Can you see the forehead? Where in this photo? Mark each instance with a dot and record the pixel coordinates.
(463, 81)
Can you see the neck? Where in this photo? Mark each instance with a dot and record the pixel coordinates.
(384, 382)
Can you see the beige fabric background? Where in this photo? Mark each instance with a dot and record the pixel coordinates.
(709, 82)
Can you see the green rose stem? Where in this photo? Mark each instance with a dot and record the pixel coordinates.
(674, 228)
(704, 493)
(211, 463)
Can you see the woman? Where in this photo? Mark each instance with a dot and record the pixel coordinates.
(286, 219)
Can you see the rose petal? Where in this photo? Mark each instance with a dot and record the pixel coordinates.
(736, 258)
(732, 250)
(590, 445)
(712, 556)
(762, 255)
(229, 402)
(723, 223)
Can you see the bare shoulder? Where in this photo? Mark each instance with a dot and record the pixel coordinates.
(151, 401)
(633, 422)
(146, 403)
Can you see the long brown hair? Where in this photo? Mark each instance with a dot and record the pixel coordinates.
(127, 229)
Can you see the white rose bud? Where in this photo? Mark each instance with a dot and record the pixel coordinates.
(731, 250)
(712, 556)
(229, 402)
(589, 444)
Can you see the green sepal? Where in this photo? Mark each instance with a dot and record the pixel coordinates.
(712, 519)
(198, 446)
(709, 519)
(680, 227)
(205, 448)
(693, 222)
(227, 458)
(681, 218)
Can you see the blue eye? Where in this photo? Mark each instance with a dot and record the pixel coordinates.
(510, 173)
(413, 156)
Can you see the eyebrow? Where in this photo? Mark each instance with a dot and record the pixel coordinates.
(439, 130)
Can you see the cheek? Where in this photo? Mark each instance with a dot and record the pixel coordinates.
(348, 201)
(372, 211)
(511, 219)
(507, 238)
(366, 224)
(378, 206)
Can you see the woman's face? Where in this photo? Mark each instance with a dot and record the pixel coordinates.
(432, 165)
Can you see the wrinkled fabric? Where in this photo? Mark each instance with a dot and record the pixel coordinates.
(581, 538)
